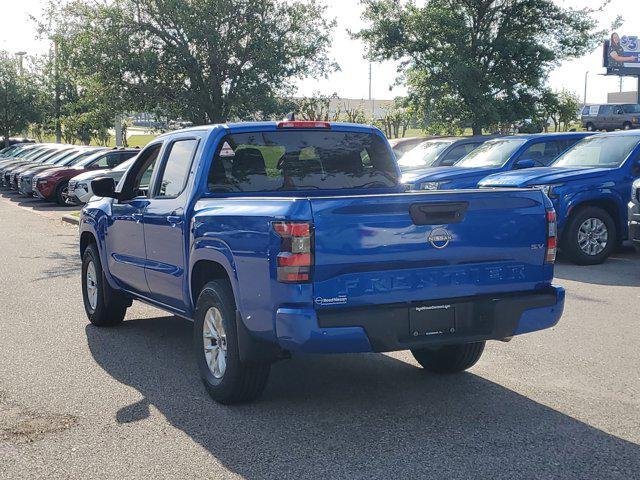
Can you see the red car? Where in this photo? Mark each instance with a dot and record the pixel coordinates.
(52, 184)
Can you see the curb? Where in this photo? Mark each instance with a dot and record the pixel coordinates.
(71, 219)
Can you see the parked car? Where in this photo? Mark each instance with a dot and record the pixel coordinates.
(497, 155)
(14, 152)
(64, 159)
(624, 116)
(401, 146)
(634, 213)
(299, 237)
(80, 191)
(440, 152)
(53, 160)
(36, 159)
(590, 187)
(52, 184)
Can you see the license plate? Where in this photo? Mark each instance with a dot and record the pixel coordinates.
(432, 320)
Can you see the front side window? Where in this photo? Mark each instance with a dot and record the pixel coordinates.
(603, 152)
(631, 108)
(176, 168)
(301, 160)
(494, 153)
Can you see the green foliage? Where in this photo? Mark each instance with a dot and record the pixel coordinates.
(18, 98)
(476, 62)
(202, 60)
(316, 107)
(397, 120)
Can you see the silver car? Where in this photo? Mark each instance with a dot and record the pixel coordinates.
(80, 186)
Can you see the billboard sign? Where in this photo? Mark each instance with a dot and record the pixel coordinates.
(622, 55)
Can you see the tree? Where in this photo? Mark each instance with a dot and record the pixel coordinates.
(569, 108)
(316, 107)
(202, 60)
(17, 98)
(478, 61)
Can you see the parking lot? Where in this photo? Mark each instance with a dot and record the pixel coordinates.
(82, 402)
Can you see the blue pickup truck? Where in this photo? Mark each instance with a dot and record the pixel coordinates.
(498, 155)
(276, 238)
(590, 187)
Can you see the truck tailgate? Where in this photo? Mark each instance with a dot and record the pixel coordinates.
(397, 248)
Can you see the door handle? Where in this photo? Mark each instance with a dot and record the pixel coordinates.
(174, 220)
(137, 217)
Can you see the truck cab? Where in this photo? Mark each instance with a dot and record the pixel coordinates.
(590, 187)
(278, 238)
(501, 154)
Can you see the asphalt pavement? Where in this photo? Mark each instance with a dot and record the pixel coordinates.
(81, 402)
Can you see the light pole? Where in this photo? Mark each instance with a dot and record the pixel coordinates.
(586, 77)
(20, 56)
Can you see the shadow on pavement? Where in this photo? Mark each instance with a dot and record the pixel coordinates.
(36, 203)
(356, 416)
(620, 269)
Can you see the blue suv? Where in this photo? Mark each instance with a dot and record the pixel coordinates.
(498, 155)
(590, 187)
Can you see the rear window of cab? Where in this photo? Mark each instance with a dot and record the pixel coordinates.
(301, 160)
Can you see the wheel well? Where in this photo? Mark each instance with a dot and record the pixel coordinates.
(203, 272)
(608, 206)
(86, 239)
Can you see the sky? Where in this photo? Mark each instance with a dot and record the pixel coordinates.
(17, 33)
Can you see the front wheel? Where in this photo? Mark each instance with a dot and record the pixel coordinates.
(61, 191)
(591, 127)
(104, 306)
(227, 379)
(589, 237)
(626, 126)
(449, 358)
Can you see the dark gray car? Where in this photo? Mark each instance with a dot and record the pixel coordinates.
(609, 117)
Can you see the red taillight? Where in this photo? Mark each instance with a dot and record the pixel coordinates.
(304, 124)
(552, 237)
(295, 258)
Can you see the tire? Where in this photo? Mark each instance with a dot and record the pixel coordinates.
(237, 382)
(105, 307)
(449, 358)
(571, 241)
(60, 189)
(591, 127)
(626, 126)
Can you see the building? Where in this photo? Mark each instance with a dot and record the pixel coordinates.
(622, 97)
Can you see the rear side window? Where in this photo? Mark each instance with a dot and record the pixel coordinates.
(176, 168)
(459, 151)
(542, 152)
(301, 160)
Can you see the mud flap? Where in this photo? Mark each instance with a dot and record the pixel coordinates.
(252, 350)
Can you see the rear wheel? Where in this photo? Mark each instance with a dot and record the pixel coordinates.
(104, 306)
(449, 358)
(61, 191)
(227, 379)
(590, 236)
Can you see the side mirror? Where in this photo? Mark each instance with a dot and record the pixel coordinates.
(104, 187)
(525, 163)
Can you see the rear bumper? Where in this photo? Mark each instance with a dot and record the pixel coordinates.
(387, 327)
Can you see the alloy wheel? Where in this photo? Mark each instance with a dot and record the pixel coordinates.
(215, 342)
(92, 285)
(593, 236)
